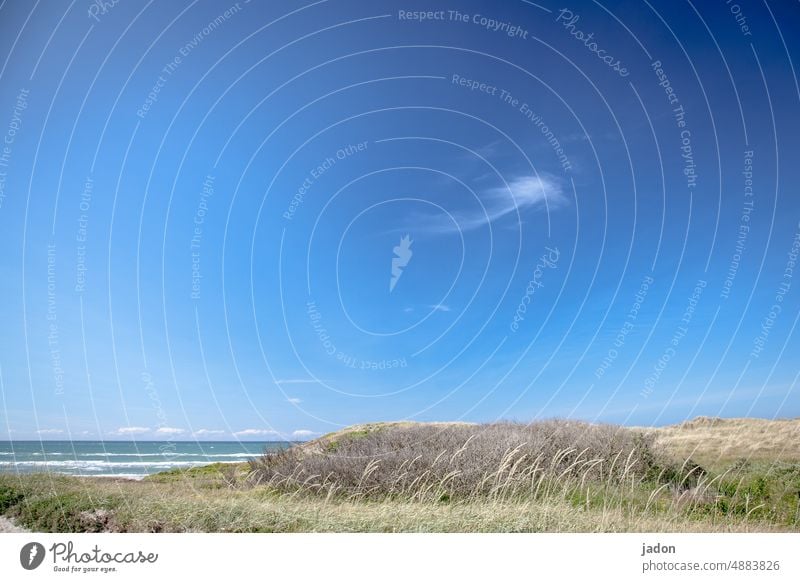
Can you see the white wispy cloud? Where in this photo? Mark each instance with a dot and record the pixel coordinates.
(207, 432)
(49, 431)
(132, 430)
(254, 432)
(440, 307)
(170, 430)
(489, 150)
(521, 194)
(303, 433)
(294, 400)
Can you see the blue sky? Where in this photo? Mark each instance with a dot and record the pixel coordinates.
(204, 206)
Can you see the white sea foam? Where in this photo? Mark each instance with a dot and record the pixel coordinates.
(216, 455)
(133, 476)
(102, 465)
(113, 459)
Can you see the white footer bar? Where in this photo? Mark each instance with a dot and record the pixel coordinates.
(406, 557)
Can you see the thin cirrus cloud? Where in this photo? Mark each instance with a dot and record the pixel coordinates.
(299, 434)
(49, 431)
(521, 194)
(294, 400)
(248, 432)
(170, 431)
(207, 432)
(125, 430)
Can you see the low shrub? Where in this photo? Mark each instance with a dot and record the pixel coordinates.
(447, 462)
(9, 497)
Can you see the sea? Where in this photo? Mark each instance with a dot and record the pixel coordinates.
(123, 459)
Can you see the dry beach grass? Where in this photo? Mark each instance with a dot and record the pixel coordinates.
(442, 462)
(722, 440)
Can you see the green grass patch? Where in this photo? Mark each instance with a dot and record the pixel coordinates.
(212, 473)
(9, 497)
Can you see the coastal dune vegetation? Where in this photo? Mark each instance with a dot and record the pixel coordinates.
(503, 477)
(435, 463)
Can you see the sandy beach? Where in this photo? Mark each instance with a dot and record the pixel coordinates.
(7, 526)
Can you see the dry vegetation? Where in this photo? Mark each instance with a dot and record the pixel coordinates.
(550, 476)
(717, 441)
(440, 462)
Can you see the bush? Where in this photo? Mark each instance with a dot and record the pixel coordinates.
(443, 463)
(9, 497)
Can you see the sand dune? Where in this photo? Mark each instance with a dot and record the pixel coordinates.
(720, 440)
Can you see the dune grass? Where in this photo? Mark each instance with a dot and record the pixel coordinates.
(552, 476)
(71, 505)
(718, 442)
(432, 463)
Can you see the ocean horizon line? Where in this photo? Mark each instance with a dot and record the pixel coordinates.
(189, 441)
